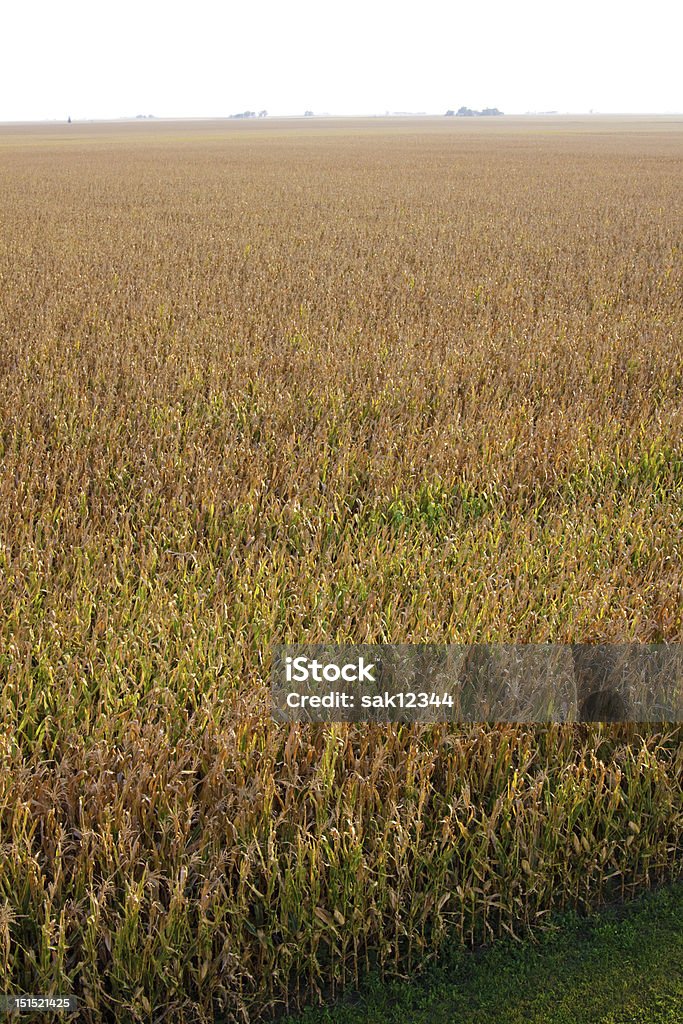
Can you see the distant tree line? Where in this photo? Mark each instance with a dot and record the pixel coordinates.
(468, 112)
(251, 113)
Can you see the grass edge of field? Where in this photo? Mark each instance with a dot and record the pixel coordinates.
(619, 964)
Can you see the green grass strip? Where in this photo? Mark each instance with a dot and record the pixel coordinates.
(621, 965)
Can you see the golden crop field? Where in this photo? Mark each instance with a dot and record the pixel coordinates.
(348, 381)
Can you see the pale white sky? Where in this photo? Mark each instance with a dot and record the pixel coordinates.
(92, 59)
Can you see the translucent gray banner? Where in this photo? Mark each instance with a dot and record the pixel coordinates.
(478, 683)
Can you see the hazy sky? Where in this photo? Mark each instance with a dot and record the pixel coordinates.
(94, 59)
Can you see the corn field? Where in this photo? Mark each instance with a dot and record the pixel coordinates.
(407, 381)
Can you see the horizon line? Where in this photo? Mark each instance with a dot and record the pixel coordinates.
(327, 115)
